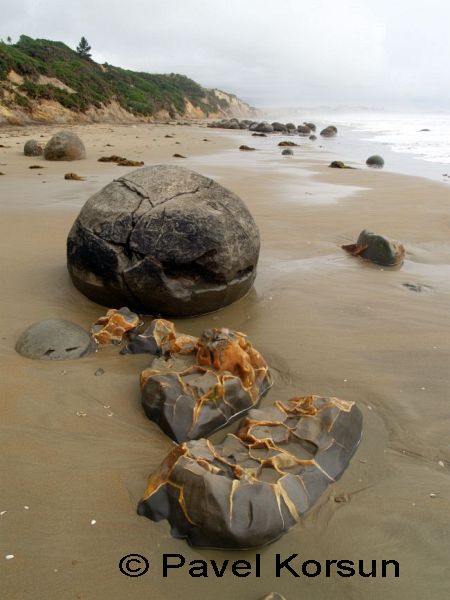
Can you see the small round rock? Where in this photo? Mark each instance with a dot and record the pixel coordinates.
(287, 152)
(33, 148)
(55, 339)
(375, 161)
(64, 145)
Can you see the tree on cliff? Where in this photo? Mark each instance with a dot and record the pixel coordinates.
(83, 48)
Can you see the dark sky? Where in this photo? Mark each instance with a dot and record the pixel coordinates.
(375, 53)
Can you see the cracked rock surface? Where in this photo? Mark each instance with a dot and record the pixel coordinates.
(255, 485)
(190, 397)
(164, 240)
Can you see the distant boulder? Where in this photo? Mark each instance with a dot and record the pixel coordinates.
(310, 125)
(329, 131)
(313, 137)
(286, 143)
(288, 152)
(303, 130)
(377, 249)
(33, 148)
(246, 148)
(290, 127)
(375, 161)
(279, 126)
(264, 126)
(338, 164)
(64, 145)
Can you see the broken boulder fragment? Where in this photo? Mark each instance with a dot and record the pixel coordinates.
(164, 240)
(111, 328)
(254, 486)
(377, 249)
(197, 396)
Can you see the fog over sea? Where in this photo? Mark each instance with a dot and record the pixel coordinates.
(399, 137)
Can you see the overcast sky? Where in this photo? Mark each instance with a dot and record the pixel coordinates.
(378, 53)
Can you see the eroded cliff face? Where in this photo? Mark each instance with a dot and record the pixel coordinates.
(17, 108)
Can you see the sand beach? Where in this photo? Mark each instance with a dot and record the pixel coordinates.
(77, 448)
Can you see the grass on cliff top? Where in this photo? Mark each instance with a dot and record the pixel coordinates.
(95, 84)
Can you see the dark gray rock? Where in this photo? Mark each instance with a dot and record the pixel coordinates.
(290, 127)
(329, 131)
(375, 161)
(279, 126)
(55, 339)
(64, 145)
(310, 125)
(303, 130)
(338, 164)
(164, 240)
(377, 249)
(264, 126)
(254, 486)
(313, 137)
(287, 152)
(33, 148)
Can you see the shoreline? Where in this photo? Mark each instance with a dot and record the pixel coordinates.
(327, 323)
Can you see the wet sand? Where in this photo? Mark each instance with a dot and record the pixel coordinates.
(327, 323)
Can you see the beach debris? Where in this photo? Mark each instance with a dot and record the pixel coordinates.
(121, 161)
(176, 155)
(93, 521)
(432, 495)
(227, 378)
(205, 140)
(81, 413)
(417, 287)
(64, 145)
(99, 371)
(288, 143)
(273, 596)
(375, 161)
(441, 463)
(192, 255)
(287, 152)
(110, 328)
(259, 134)
(9, 556)
(168, 136)
(2, 173)
(73, 177)
(36, 167)
(33, 148)
(246, 148)
(338, 164)
(3, 512)
(329, 131)
(254, 486)
(55, 339)
(377, 249)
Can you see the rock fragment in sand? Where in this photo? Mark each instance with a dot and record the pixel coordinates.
(164, 240)
(227, 378)
(36, 167)
(338, 164)
(55, 339)
(375, 161)
(111, 328)
(416, 287)
(33, 148)
(259, 134)
(64, 145)
(288, 144)
(246, 148)
(254, 486)
(73, 177)
(178, 156)
(329, 131)
(160, 339)
(377, 249)
(287, 152)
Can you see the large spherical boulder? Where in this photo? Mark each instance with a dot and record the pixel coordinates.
(304, 130)
(375, 161)
(164, 240)
(55, 339)
(33, 148)
(64, 145)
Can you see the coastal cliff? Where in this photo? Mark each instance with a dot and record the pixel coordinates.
(43, 81)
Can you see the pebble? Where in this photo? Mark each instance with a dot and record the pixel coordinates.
(93, 522)
(9, 556)
(3, 512)
(81, 413)
(440, 463)
(433, 495)
(99, 371)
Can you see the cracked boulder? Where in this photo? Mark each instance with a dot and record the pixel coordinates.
(164, 240)
(254, 486)
(377, 248)
(219, 378)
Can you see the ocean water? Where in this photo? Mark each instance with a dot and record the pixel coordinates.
(411, 143)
